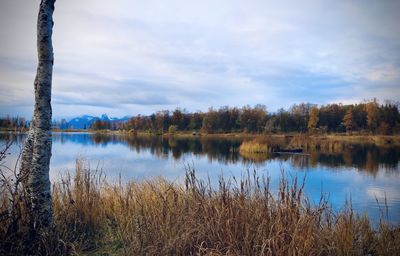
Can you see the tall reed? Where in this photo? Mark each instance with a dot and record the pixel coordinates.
(241, 216)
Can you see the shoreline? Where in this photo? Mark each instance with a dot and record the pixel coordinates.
(377, 139)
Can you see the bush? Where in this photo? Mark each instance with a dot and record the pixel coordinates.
(172, 129)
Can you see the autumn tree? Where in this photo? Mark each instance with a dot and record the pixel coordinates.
(300, 114)
(270, 125)
(162, 121)
(253, 119)
(37, 149)
(100, 125)
(372, 115)
(384, 128)
(313, 121)
(210, 121)
(348, 120)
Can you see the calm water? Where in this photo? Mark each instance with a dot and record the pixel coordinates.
(364, 174)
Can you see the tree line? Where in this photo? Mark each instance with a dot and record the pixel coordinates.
(367, 117)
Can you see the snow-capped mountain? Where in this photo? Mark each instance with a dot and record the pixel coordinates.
(86, 121)
(82, 122)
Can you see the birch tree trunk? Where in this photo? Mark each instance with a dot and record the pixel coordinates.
(36, 154)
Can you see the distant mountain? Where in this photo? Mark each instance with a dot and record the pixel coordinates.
(122, 119)
(82, 122)
(86, 121)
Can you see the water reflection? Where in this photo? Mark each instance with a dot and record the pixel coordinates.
(367, 158)
(221, 150)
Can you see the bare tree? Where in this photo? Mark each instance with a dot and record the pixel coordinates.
(37, 150)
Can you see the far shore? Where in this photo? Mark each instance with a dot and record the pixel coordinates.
(356, 138)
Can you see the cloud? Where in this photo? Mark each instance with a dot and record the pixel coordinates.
(136, 57)
(385, 73)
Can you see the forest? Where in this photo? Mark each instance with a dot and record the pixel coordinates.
(366, 117)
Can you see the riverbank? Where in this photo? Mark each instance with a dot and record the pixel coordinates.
(379, 140)
(302, 139)
(240, 217)
(345, 137)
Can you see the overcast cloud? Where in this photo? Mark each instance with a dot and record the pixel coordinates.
(128, 57)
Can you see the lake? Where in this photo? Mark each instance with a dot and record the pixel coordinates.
(367, 175)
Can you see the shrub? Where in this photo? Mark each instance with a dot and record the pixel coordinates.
(172, 129)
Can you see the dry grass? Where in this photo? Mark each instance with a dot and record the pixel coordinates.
(254, 146)
(339, 141)
(330, 143)
(157, 217)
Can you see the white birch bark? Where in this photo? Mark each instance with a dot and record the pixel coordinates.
(37, 150)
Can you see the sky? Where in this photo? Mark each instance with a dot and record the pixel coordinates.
(129, 57)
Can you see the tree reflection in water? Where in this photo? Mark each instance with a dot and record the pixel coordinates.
(368, 158)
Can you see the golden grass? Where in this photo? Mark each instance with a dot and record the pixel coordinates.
(330, 143)
(157, 217)
(254, 146)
